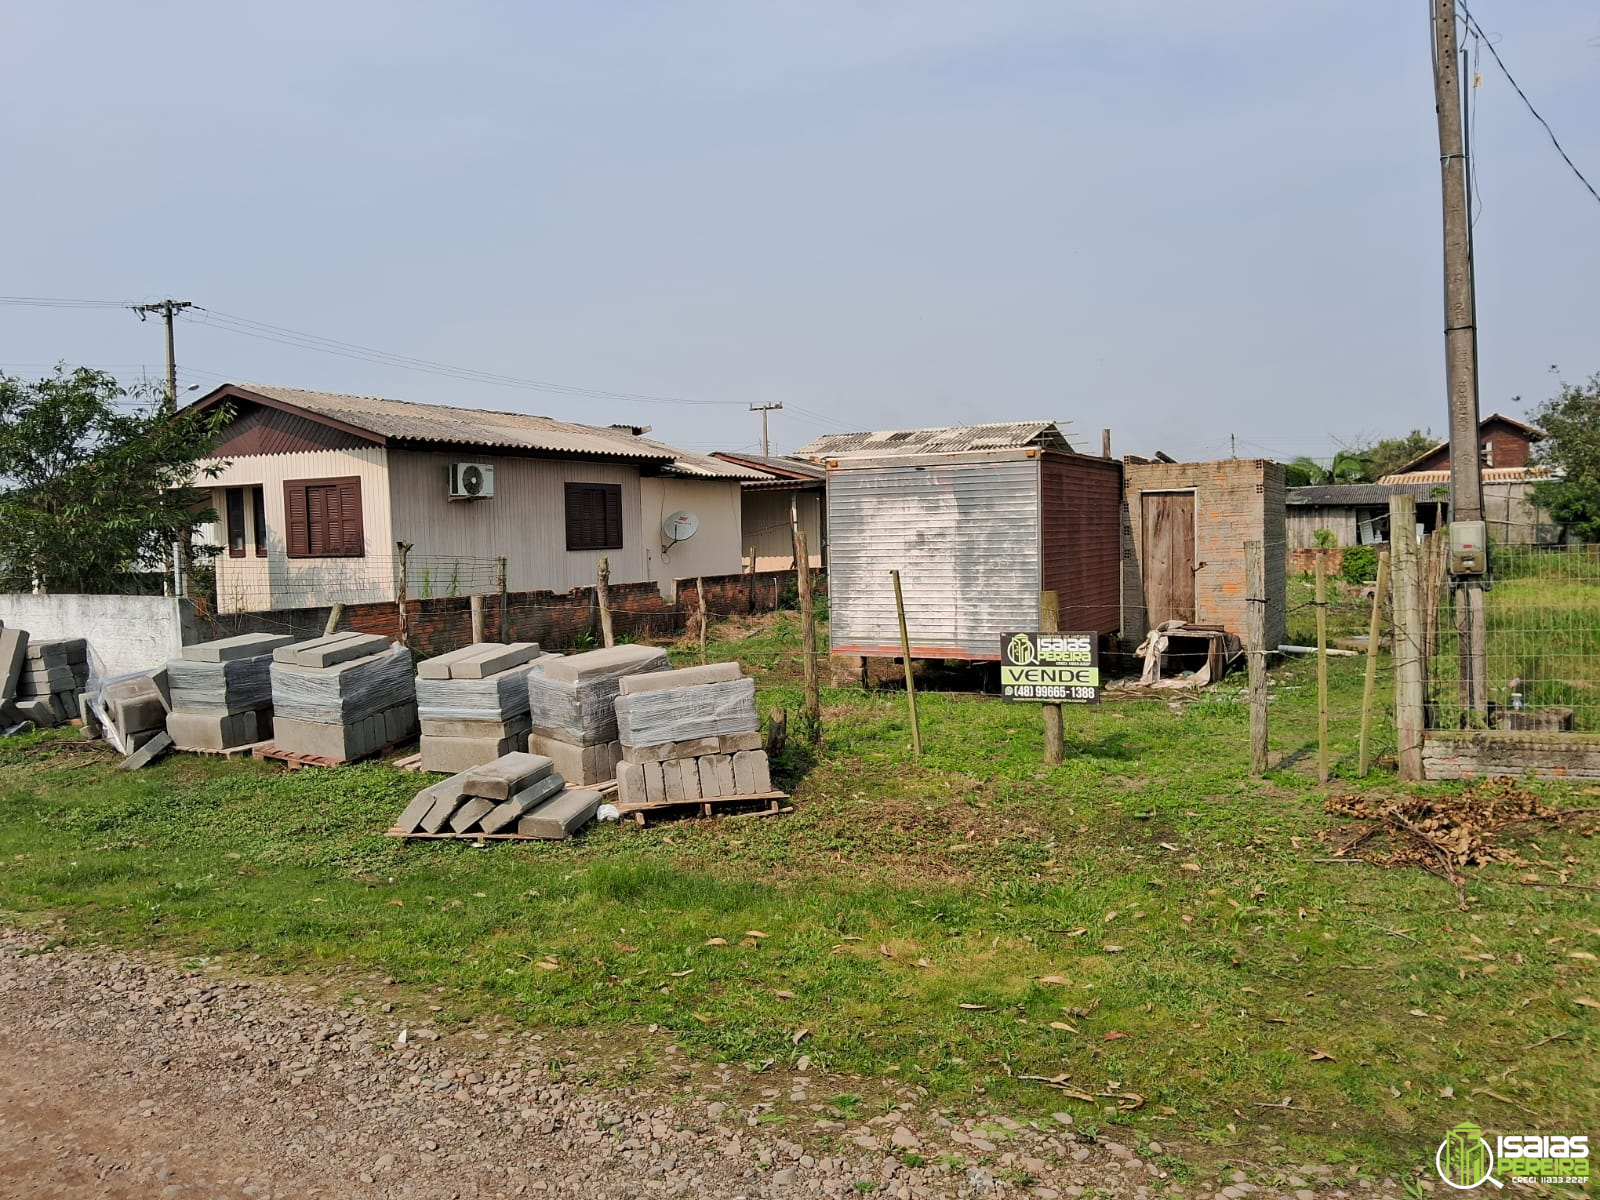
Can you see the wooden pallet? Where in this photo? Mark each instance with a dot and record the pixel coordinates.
(293, 761)
(411, 762)
(772, 805)
(230, 752)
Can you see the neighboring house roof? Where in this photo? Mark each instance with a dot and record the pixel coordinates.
(1532, 433)
(950, 440)
(384, 421)
(1488, 474)
(777, 470)
(1352, 495)
(710, 466)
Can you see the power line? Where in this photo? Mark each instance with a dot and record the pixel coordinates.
(1477, 30)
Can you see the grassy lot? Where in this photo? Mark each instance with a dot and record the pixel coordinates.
(1146, 920)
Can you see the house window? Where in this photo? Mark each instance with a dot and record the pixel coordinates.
(234, 504)
(258, 505)
(1486, 453)
(322, 518)
(594, 516)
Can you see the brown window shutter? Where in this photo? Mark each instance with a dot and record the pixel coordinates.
(575, 517)
(613, 510)
(298, 534)
(355, 537)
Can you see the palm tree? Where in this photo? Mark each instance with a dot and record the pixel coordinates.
(1348, 466)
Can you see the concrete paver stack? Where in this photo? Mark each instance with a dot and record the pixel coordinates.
(44, 677)
(473, 704)
(572, 707)
(343, 697)
(687, 736)
(221, 692)
(517, 794)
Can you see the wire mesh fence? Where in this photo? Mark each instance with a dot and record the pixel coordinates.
(252, 584)
(1542, 644)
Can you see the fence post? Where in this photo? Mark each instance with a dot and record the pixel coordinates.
(504, 623)
(400, 595)
(1255, 596)
(1408, 710)
(750, 603)
(476, 601)
(335, 615)
(602, 594)
(1322, 668)
(812, 711)
(700, 593)
(905, 651)
(1055, 738)
(1373, 630)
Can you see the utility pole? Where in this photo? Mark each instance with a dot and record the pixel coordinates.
(1460, 342)
(167, 309)
(764, 409)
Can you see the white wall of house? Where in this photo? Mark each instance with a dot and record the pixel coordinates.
(255, 582)
(715, 547)
(525, 520)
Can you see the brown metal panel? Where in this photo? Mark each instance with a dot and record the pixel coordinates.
(263, 430)
(1168, 537)
(1080, 539)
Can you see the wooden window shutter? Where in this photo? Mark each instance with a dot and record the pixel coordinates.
(324, 518)
(594, 516)
(351, 528)
(613, 518)
(298, 534)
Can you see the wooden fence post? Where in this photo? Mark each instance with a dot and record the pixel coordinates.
(812, 711)
(400, 595)
(700, 593)
(335, 615)
(1055, 738)
(1408, 633)
(476, 602)
(1322, 668)
(750, 602)
(1255, 596)
(602, 592)
(1374, 629)
(504, 624)
(905, 652)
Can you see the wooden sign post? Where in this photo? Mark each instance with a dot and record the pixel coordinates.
(1055, 740)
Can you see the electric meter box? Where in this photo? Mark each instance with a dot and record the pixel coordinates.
(1469, 548)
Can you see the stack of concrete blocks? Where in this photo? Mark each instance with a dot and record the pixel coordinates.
(44, 678)
(516, 793)
(222, 692)
(132, 712)
(572, 708)
(473, 704)
(343, 697)
(689, 735)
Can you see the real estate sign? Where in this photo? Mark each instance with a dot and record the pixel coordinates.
(1056, 668)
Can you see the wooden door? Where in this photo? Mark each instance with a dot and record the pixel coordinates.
(1168, 519)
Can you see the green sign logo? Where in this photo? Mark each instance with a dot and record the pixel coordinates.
(1464, 1159)
(1021, 649)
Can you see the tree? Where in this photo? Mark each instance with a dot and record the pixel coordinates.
(1571, 423)
(1387, 456)
(93, 487)
(1348, 466)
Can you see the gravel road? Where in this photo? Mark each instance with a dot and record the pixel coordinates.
(123, 1078)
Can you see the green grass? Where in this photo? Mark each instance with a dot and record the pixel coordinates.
(897, 892)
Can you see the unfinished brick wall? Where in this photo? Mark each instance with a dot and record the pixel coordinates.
(1235, 501)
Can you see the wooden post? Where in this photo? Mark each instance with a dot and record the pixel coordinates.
(1105, 443)
(1255, 597)
(400, 595)
(700, 593)
(808, 640)
(1055, 740)
(1374, 628)
(504, 623)
(335, 615)
(476, 601)
(1408, 709)
(905, 653)
(1322, 668)
(750, 603)
(602, 595)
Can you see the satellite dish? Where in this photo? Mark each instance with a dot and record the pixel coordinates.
(680, 526)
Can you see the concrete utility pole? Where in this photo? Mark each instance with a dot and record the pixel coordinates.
(1461, 346)
(764, 409)
(167, 308)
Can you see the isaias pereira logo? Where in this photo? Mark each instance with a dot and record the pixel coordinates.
(1021, 650)
(1464, 1159)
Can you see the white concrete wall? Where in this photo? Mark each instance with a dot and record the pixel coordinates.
(713, 550)
(125, 633)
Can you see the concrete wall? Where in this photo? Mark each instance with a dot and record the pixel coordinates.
(1484, 754)
(713, 550)
(1236, 500)
(125, 633)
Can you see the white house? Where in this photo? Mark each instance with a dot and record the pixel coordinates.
(320, 495)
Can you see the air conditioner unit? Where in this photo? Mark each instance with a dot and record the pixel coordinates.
(471, 481)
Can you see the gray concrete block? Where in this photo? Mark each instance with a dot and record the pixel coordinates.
(245, 645)
(655, 784)
(709, 787)
(723, 764)
(672, 780)
(212, 731)
(473, 809)
(689, 768)
(630, 783)
(511, 811)
(578, 764)
(750, 772)
(449, 727)
(400, 724)
(331, 650)
(462, 754)
(422, 803)
(13, 653)
(148, 752)
(438, 667)
(506, 775)
(732, 743)
(44, 655)
(633, 685)
(340, 743)
(37, 709)
(439, 815)
(497, 658)
(42, 683)
(561, 816)
(579, 668)
(668, 751)
(137, 713)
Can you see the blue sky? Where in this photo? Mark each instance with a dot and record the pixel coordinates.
(1181, 221)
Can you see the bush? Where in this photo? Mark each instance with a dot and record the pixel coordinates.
(1324, 539)
(1360, 564)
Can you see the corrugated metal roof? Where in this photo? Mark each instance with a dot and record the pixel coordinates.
(707, 466)
(956, 439)
(403, 421)
(1336, 495)
(1489, 475)
(776, 466)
